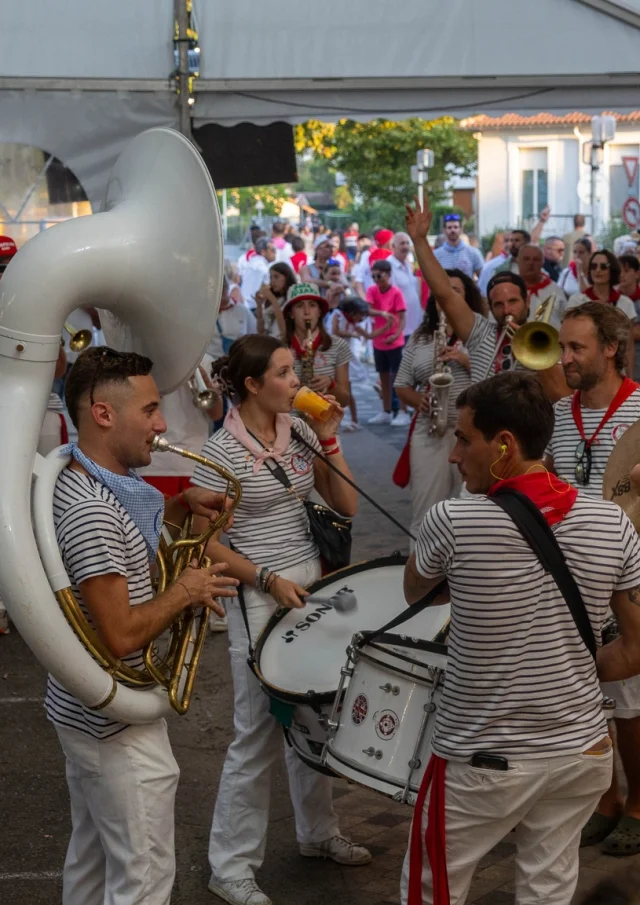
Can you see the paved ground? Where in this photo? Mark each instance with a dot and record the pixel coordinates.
(33, 797)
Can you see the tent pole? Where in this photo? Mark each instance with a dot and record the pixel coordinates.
(182, 19)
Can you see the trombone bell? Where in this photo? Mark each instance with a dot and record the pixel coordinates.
(536, 344)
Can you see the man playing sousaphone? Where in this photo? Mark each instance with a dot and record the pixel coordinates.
(122, 779)
(520, 740)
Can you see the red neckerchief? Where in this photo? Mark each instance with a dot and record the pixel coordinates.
(250, 253)
(573, 267)
(635, 295)
(627, 387)
(64, 433)
(553, 498)
(300, 351)
(434, 837)
(614, 295)
(533, 290)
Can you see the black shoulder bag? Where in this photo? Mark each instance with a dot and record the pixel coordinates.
(533, 526)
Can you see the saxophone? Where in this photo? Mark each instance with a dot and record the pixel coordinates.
(306, 372)
(440, 381)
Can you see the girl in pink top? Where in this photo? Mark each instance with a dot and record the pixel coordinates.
(388, 337)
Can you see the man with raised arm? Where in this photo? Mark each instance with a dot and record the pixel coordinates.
(488, 345)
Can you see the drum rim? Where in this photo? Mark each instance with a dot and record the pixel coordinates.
(347, 762)
(311, 696)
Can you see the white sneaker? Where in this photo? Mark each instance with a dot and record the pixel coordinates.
(239, 892)
(402, 419)
(338, 849)
(381, 418)
(217, 623)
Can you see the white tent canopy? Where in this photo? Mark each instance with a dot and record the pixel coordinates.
(78, 79)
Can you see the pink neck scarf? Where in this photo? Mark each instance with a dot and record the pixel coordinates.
(234, 424)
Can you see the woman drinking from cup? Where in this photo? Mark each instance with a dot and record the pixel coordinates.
(275, 558)
(321, 361)
(270, 297)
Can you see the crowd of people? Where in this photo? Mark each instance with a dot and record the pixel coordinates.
(521, 738)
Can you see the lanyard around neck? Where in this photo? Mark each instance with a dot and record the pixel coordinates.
(627, 387)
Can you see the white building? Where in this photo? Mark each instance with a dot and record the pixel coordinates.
(527, 162)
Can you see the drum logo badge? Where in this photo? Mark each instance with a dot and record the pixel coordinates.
(387, 723)
(359, 710)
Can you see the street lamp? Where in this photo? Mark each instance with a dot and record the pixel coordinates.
(259, 208)
(424, 162)
(603, 129)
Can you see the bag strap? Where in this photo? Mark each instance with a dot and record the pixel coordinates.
(243, 610)
(535, 530)
(294, 433)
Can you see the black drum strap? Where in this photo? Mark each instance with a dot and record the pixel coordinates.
(409, 612)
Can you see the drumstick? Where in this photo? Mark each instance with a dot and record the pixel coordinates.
(342, 601)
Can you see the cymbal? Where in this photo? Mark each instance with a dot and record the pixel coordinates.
(618, 486)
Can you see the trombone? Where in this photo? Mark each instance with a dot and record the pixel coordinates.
(79, 339)
(536, 344)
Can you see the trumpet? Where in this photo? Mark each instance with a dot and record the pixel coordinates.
(79, 339)
(203, 397)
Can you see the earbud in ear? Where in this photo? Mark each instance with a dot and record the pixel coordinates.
(503, 448)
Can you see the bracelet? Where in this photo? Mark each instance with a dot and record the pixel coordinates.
(333, 452)
(331, 441)
(261, 575)
(182, 502)
(332, 385)
(271, 581)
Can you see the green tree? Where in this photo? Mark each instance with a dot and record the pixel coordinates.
(376, 156)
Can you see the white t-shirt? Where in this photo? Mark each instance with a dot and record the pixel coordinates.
(416, 368)
(568, 282)
(520, 681)
(559, 303)
(254, 274)
(326, 361)
(270, 526)
(96, 536)
(488, 271)
(403, 277)
(566, 438)
(361, 272)
(624, 303)
(232, 323)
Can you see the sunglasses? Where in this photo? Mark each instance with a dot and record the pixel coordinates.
(105, 354)
(378, 275)
(583, 463)
(600, 266)
(451, 218)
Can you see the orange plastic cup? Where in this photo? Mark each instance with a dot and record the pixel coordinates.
(313, 404)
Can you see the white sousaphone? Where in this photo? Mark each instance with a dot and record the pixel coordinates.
(153, 259)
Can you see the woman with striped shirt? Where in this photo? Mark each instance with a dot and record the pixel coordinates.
(304, 312)
(432, 477)
(275, 557)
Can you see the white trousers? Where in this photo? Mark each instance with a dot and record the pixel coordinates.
(432, 477)
(546, 801)
(241, 815)
(122, 789)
